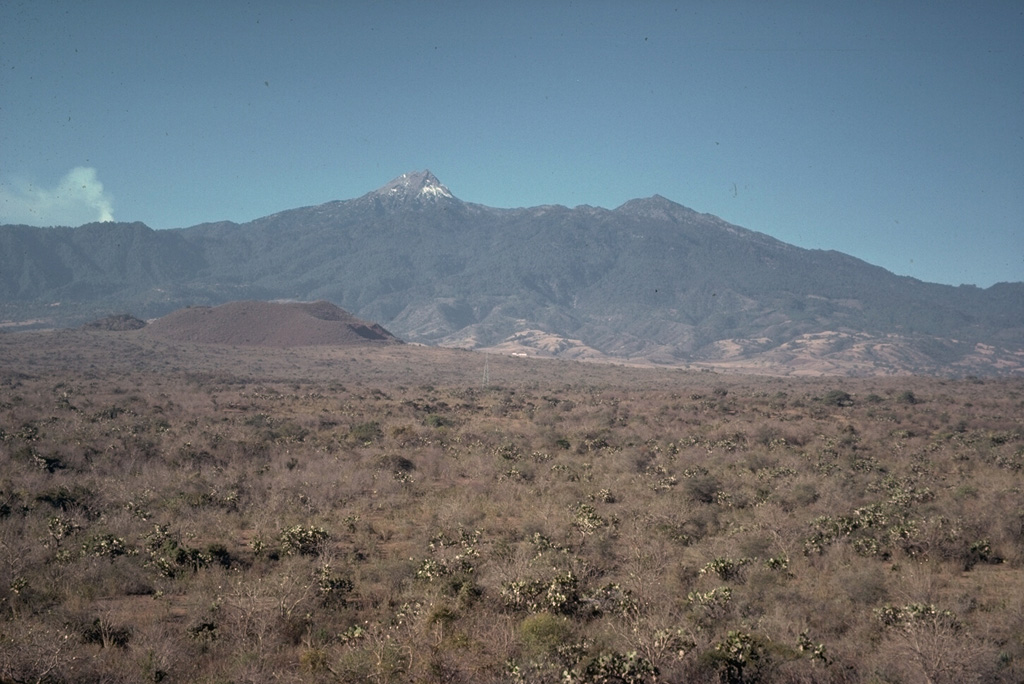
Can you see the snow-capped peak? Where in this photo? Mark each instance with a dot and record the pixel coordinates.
(416, 184)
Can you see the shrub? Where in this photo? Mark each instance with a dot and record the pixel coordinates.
(726, 569)
(365, 433)
(543, 632)
(559, 595)
(837, 398)
(333, 590)
(105, 634)
(107, 546)
(219, 554)
(978, 552)
(191, 559)
(611, 666)
(305, 541)
(586, 520)
(168, 556)
(395, 463)
(435, 421)
(710, 605)
(203, 632)
(60, 527)
(740, 658)
(66, 498)
(913, 615)
(314, 660)
(703, 488)
(907, 397)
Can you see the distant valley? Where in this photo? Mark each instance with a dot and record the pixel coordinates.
(649, 282)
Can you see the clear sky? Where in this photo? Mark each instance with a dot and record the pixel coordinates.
(892, 131)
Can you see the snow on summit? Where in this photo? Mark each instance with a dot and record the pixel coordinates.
(435, 190)
(416, 184)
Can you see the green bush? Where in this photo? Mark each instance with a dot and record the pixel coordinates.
(837, 398)
(543, 632)
(611, 666)
(365, 433)
(741, 658)
(107, 546)
(305, 541)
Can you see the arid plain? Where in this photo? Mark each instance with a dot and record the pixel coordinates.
(212, 513)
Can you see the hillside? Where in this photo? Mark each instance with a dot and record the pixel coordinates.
(648, 282)
(269, 324)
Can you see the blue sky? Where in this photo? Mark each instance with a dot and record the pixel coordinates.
(892, 131)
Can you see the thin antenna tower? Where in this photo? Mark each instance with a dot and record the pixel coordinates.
(487, 377)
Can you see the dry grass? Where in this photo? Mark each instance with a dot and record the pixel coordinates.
(213, 514)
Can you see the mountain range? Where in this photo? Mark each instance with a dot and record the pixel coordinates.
(650, 281)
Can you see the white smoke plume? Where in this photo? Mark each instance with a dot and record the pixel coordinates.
(77, 199)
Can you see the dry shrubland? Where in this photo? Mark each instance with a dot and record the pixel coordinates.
(216, 514)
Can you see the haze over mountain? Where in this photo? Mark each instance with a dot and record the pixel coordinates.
(650, 281)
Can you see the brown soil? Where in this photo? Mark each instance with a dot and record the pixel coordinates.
(270, 324)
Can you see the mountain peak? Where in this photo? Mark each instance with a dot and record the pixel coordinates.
(416, 184)
(655, 206)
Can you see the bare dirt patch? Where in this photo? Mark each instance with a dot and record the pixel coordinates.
(270, 324)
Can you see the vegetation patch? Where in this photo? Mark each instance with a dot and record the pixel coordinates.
(380, 515)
